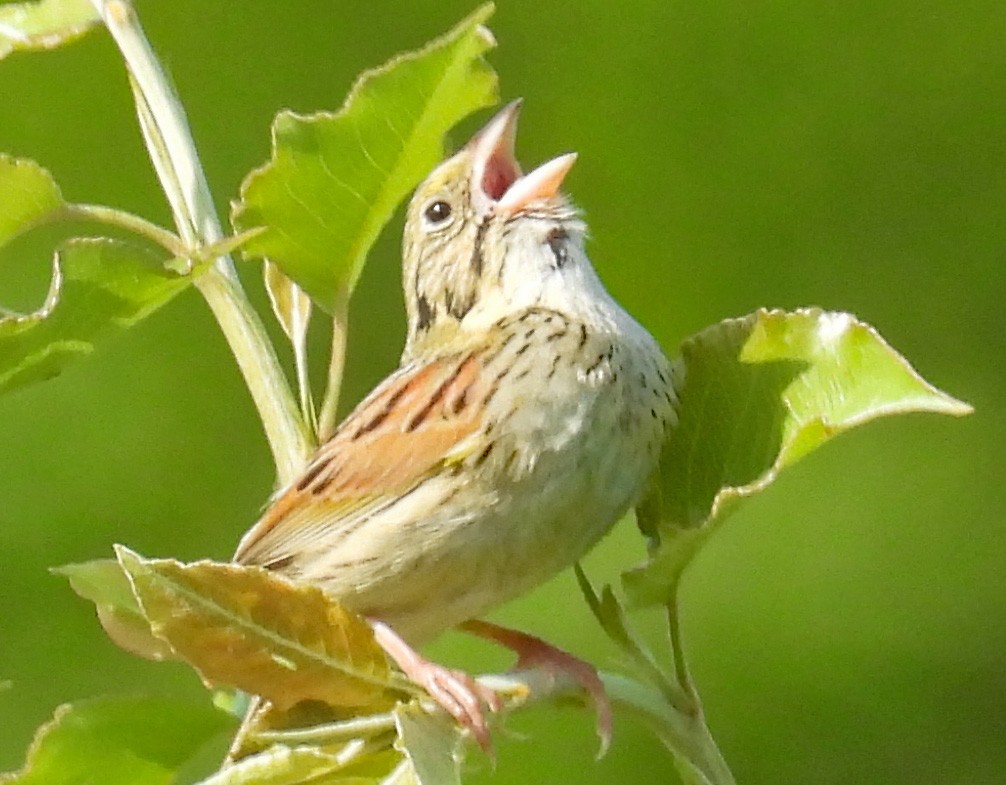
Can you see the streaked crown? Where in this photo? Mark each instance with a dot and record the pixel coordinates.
(471, 218)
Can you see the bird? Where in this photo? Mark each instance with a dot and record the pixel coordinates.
(526, 417)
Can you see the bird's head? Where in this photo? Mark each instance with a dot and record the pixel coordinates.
(482, 238)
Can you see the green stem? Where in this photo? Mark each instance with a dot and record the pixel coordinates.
(687, 544)
(669, 702)
(111, 216)
(287, 435)
(336, 365)
(686, 735)
(173, 153)
(357, 751)
(610, 615)
(307, 410)
(329, 732)
(682, 677)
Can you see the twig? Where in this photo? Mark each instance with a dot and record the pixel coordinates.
(173, 153)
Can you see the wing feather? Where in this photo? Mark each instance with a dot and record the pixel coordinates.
(420, 420)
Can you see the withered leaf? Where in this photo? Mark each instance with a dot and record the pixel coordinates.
(247, 628)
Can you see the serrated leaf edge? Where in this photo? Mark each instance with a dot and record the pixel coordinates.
(360, 85)
(44, 41)
(28, 163)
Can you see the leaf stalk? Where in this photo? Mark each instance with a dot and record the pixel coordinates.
(336, 365)
(112, 216)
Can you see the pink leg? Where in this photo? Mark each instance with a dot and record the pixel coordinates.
(457, 692)
(534, 652)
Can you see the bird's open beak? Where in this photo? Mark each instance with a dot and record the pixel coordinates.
(497, 180)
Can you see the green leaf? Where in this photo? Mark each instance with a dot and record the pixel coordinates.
(118, 741)
(104, 583)
(45, 24)
(335, 179)
(98, 286)
(756, 394)
(432, 744)
(248, 628)
(28, 193)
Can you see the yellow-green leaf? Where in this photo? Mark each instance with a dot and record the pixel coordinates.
(756, 394)
(335, 179)
(45, 24)
(432, 744)
(292, 308)
(248, 628)
(104, 583)
(118, 741)
(98, 286)
(279, 765)
(28, 194)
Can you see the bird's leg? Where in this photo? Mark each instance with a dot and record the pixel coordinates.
(458, 693)
(533, 652)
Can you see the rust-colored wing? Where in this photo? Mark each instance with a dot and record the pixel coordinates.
(413, 424)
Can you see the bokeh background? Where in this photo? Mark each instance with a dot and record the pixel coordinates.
(849, 626)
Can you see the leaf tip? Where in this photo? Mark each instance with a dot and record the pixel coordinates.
(953, 406)
(62, 570)
(126, 556)
(480, 16)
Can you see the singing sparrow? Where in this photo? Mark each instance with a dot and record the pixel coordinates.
(526, 416)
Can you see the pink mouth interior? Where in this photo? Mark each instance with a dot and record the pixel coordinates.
(500, 173)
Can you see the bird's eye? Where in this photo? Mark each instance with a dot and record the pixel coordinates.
(437, 213)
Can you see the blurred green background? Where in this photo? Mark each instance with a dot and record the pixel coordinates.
(847, 627)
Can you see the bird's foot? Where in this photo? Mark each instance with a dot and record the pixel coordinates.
(455, 691)
(533, 652)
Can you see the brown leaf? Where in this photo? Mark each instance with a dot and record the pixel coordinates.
(248, 628)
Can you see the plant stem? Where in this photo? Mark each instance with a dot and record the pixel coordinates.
(330, 732)
(686, 735)
(173, 153)
(336, 365)
(610, 615)
(284, 428)
(169, 241)
(681, 675)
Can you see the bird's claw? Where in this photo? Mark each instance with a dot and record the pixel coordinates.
(455, 691)
(461, 696)
(533, 652)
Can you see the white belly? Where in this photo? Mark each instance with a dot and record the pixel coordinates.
(572, 459)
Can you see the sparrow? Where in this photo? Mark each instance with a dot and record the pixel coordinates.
(526, 417)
